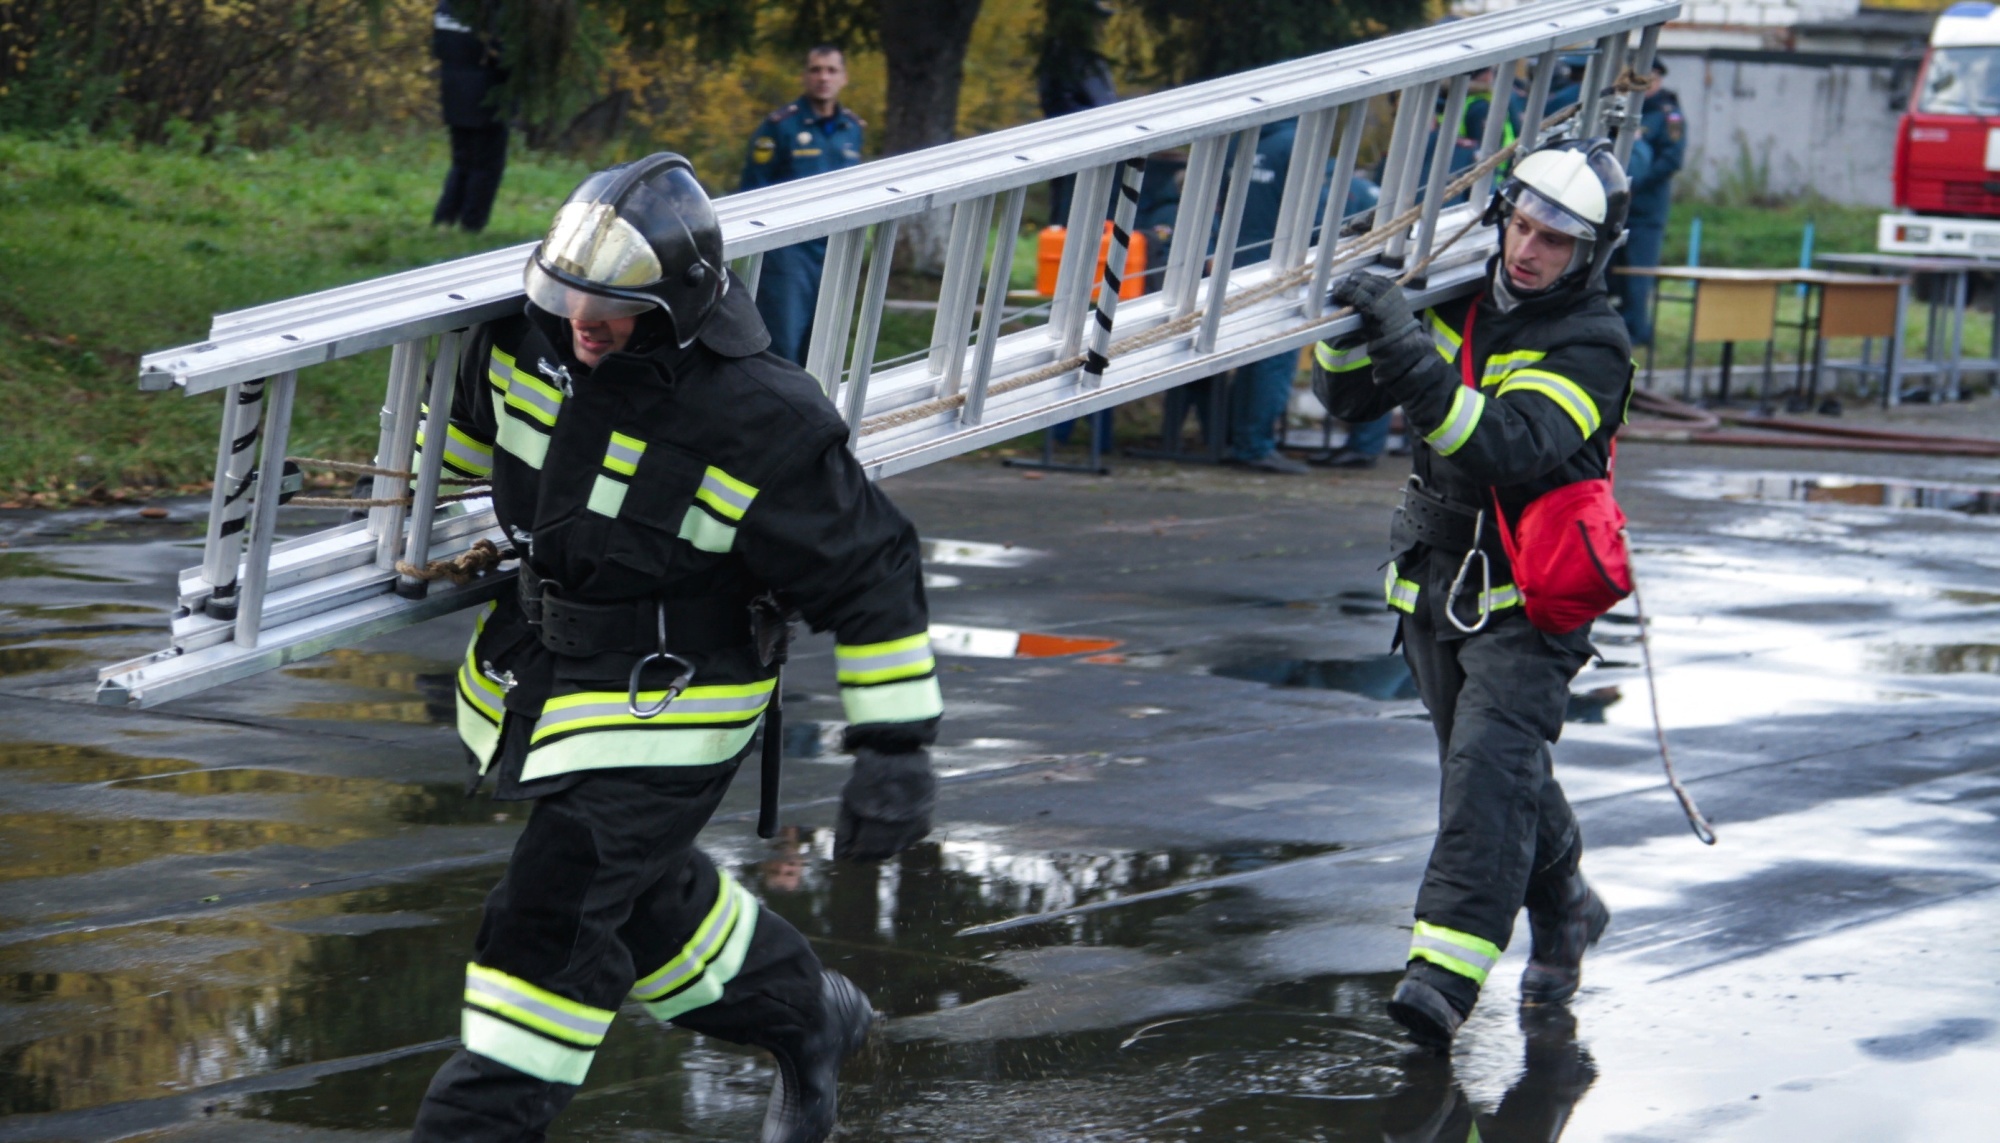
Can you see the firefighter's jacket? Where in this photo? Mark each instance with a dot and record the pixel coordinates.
(690, 482)
(1554, 377)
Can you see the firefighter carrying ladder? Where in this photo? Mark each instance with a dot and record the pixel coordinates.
(256, 602)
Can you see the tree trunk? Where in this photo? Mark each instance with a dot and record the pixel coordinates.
(923, 44)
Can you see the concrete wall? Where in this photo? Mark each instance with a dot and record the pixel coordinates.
(1820, 123)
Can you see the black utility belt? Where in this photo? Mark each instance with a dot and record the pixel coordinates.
(580, 630)
(1438, 523)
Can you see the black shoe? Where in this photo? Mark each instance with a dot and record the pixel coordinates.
(1555, 960)
(1430, 1003)
(1341, 458)
(804, 1101)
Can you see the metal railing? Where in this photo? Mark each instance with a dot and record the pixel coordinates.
(257, 602)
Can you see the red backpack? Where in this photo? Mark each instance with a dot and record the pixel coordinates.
(1568, 552)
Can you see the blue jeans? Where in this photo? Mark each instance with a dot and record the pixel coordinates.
(787, 293)
(1258, 399)
(1369, 438)
(1635, 295)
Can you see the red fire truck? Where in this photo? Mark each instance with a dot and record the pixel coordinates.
(1948, 143)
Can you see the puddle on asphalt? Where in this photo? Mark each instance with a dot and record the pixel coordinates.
(61, 762)
(74, 612)
(1384, 677)
(16, 661)
(974, 554)
(327, 798)
(1857, 491)
(35, 565)
(406, 688)
(1937, 659)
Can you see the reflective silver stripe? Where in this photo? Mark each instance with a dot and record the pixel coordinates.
(464, 454)
(1502, 597)
(726, 493)
(621, 457)
(1437, 944)
(531, 394)
(1340, 361)
(481, 692)
(1500, 365)
(693, 960)
(1401, 593)
(510, 1001)
(1567, 394)
(854, 666)
(1466, 406)
(735, 707)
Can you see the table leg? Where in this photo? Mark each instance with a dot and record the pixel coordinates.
(1957, 334)
(1687, 379)
(1893, 351)
(1653, 323)
(1722, 386)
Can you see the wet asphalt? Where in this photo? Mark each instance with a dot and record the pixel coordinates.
(1170, 884)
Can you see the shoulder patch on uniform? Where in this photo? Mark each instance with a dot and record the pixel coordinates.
(763, 149)
(858, 120)
(779, 114)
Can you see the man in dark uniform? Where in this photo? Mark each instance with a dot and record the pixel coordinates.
(671, 491)
(1072, 75)
(1514, 392)
(1663, 131)
(468, 72)
(808, 137)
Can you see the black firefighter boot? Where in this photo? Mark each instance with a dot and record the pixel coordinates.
(1565, 917)
(1431, 1002)
(804, 1100)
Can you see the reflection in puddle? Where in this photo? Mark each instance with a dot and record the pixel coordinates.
(973, 554)
(1938, 659)
(1867, 492)
(415, 689)
(1384, 677)
(58, 844)
(327, 797)
(1589, 706)
(34, 565)
(60, 762)
(39, 660)
(75, 612)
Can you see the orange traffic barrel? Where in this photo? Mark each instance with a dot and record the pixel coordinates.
(1048, 261)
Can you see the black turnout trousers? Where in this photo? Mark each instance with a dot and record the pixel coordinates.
(1497, 701)
(605, 897)
(478, 162)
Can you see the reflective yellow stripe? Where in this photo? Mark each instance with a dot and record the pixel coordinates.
(706, 532)
(1569, 396)
(607, 496)
(699, 973)
(622, 454)
(1500, 365)
(1460, 952)
(726, 703)
(500, 371)
(868, 663)
(1340, 361)
(913, 700)
(525, 441)
(1401, 593)
(557, 1017)
(534, 397)
(522, 1050)
(1443, 336)
(1459, 423)
(620, 747)
(729, 496)
(1503, 597)
(467, 453)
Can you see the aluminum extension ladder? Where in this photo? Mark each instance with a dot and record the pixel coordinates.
(257, 602)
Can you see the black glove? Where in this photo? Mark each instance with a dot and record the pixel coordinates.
(886, 805)
(1385, 312)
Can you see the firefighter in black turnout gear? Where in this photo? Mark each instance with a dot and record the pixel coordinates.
(671, 489)
(1514, 391)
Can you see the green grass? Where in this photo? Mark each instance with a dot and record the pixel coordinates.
(112, 252)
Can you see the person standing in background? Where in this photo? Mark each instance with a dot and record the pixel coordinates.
(1072, 75)
(469, 70)
(809, 136)
(1663, 132)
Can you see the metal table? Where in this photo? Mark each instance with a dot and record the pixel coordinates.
(1955, 275)
(1731, 305)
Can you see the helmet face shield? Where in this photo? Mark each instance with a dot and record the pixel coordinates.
(1530, 202)
(566, 301)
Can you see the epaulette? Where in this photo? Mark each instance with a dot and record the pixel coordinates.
(858, 120)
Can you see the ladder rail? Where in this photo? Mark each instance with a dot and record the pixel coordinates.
(973, 385)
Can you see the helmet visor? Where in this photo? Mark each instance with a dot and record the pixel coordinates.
(1544, 212)
(566, 301)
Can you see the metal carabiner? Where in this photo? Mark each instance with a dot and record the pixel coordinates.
(674, 688)
(1485, 582)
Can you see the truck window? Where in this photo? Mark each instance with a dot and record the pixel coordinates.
(1962, 81)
